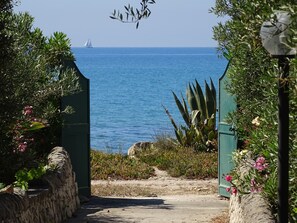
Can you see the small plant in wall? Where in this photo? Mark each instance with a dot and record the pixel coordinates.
(24, 176)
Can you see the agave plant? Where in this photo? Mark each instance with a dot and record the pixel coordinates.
(200, 130)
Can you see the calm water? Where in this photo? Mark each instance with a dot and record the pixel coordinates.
(128, 87)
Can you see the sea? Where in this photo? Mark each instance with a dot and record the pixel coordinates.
(130, 86)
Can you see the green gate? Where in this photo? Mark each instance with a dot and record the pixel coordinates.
(76, 131)
(226, 134)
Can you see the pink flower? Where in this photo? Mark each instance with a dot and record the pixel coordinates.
(22, 147)
(253, 182)
(228, 189)
(28, 110)
(228, 178)
(233, 190)
(253, 185)
(260, 164)
(260, 159)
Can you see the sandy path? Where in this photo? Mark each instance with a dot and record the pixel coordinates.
(160, 199)
(161, 184)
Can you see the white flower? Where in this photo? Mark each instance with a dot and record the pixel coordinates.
(256, 121)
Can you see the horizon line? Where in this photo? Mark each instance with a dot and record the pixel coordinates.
(145, 47)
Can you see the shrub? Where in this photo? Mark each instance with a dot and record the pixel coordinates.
(31, 74)
(117, 166)
(177, 161)
(181, 161)
(254, 79)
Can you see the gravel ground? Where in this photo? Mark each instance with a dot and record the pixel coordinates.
(160, 199)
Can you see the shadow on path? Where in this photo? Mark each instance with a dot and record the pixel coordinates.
(96, 208)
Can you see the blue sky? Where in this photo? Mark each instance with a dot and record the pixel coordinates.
(173, 23)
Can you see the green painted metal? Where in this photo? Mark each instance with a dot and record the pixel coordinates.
(76, 131)
(226, 134)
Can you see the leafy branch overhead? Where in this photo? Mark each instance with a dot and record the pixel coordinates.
(133, 15)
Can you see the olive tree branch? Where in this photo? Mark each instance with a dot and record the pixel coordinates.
(133, 15)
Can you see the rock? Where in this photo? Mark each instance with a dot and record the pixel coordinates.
(138, 147)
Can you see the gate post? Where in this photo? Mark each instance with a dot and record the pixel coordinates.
(75, 137)
(226, 133)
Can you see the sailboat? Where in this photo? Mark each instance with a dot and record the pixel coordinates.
(88, 44)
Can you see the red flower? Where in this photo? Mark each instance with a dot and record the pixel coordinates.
(233, 190)
(228, 178)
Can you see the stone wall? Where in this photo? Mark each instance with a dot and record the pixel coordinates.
(249, 208)
(54, 202)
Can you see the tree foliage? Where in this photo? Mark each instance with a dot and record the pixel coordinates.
(31, 74)
(254, 80)
(133, 15)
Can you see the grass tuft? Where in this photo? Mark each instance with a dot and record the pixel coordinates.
(106, 166)
(182, 162)
(165, 154)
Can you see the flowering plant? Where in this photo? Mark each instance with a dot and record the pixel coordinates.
(250, 175)
(27, 142)
(25, 129)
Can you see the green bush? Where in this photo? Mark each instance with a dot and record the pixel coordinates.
(31, 75)
(177, 161)
(117, 166)
(254, 79)
(181, 161)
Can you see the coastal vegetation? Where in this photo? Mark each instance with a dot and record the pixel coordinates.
(32, 81)
(177, 161)
(254, 76)
(200, 131)
(192, 154)
(113, 166)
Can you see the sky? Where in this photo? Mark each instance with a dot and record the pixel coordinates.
(173, 23)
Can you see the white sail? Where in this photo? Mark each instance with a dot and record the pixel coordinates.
(88, 44)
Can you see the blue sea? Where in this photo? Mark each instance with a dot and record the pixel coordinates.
(128, 87)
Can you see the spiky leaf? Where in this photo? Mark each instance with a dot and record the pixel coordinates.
(200, 99)
(186, 109)
(179, 136)
(182, 110)
(209, 100)
(195, 117)
(214, 93)
(170, 117)
(191, 98)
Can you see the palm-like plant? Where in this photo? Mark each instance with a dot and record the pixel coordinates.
(200, 130)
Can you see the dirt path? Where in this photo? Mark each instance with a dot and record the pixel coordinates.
(160, 199)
